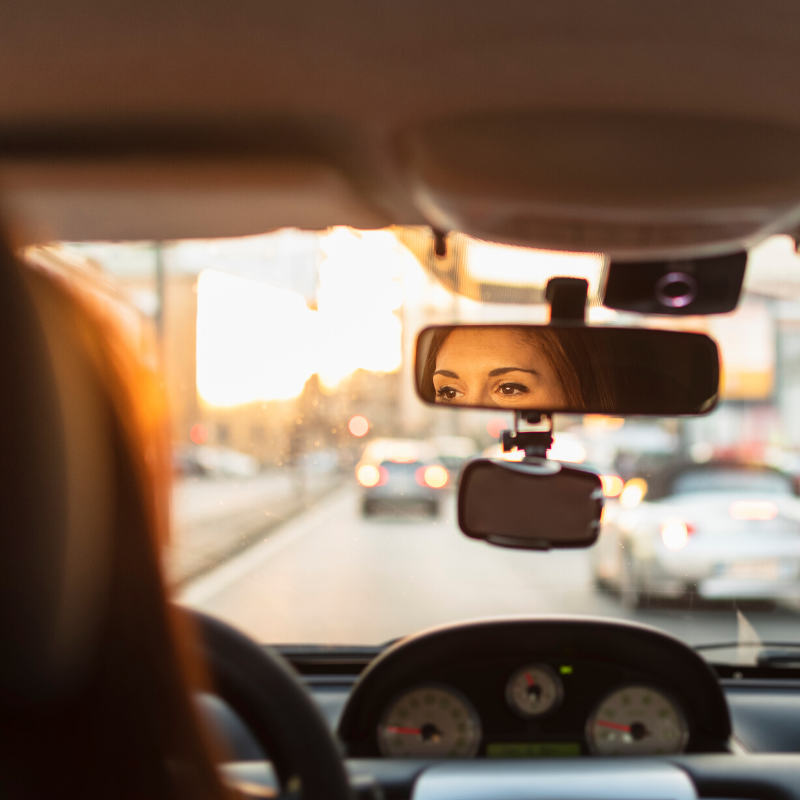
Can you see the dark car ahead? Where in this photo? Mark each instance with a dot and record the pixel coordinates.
(399, 476)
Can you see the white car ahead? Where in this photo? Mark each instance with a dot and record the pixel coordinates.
(719, 530)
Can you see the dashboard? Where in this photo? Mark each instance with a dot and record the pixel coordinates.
(520, 737)
(536, 688)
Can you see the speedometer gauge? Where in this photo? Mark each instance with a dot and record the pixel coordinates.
(637, 720)
(430, 722)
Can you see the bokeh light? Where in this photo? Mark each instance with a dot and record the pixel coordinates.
(675, 534)
(368, 475)
(198, 433)
(612, 485)
(358, 426)
(435, 476)
(633, 493)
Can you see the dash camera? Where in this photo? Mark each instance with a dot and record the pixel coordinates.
(680, 287)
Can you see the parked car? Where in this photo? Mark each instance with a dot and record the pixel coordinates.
(400, 475)
(720, 530)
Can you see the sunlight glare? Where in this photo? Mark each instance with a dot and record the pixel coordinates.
(254, 342)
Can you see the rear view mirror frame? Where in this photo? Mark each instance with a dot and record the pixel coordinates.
(532, 505)
(599, 369)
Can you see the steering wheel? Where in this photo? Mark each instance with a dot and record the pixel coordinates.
(262, 688)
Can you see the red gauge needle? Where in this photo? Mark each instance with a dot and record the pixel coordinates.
(614, 725)
(407, 731)
(529, 679)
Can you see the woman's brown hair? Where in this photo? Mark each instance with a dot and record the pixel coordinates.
(573, 355)
(126, 726)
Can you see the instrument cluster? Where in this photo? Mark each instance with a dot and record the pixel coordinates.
(542, 687)
(437, 720)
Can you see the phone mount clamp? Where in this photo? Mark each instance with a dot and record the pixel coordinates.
(535, 440)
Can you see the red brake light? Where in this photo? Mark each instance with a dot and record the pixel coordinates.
(433, 476)
(369, 475)
(675, 533)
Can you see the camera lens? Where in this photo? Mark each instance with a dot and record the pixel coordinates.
(676, 290)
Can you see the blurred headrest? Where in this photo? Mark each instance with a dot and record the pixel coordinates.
(56, 488)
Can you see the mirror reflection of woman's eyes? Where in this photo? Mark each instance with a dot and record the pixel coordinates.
(447, 393)
(510, 389)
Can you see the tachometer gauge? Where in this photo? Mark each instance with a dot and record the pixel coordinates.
(534, 690)
(637, 720)
(430, 722)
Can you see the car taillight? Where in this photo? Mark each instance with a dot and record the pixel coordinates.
(369, 475)
(434, 476)
(634, 492)
(675, 533)
(612, 485)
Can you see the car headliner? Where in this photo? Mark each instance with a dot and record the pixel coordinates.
(248, 116)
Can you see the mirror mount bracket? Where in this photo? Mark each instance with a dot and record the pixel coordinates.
(567, 298)
(534, 441)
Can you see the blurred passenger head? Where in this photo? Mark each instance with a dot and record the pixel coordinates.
(95, 694)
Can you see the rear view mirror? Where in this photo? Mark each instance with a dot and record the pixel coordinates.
(534, 506)
(568, 368)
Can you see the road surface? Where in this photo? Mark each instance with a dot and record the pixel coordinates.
(216, 516)
(332, 577)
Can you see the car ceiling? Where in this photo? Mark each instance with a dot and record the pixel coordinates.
(634, 128)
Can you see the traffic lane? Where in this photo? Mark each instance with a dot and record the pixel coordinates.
(333, 577)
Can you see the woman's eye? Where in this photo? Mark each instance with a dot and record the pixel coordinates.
(510, 389)
(447, 393)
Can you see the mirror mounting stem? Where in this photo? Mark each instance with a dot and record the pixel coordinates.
(536, 441)
(567, 298)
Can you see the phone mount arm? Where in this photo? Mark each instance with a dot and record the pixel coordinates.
(534, 441)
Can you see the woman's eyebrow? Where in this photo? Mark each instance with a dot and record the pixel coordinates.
(446, 373)
(504, 370)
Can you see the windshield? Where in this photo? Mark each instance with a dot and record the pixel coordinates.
(314, 496)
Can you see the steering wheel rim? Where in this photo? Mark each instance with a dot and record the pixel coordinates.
(262, 688)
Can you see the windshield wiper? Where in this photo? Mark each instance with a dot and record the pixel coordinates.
(785, 659)
(780, 655)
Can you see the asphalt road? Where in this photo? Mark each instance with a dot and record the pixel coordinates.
(214, 517)
(332, 577)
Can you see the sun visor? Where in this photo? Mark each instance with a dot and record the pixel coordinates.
(149, 198)
(629, 185)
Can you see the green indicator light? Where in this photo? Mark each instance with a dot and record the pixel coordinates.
(565, 670)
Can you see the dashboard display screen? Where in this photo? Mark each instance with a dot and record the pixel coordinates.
(533, 749)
